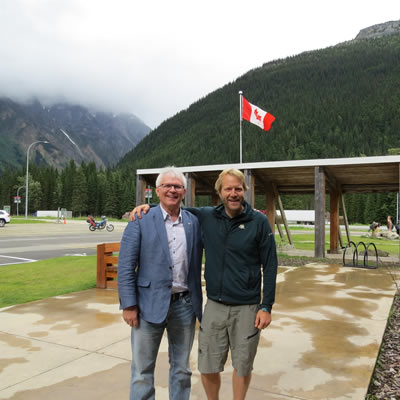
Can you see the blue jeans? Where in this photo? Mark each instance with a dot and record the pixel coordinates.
(146, 339)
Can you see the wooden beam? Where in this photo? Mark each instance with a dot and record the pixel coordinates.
(332, 182)
(319, 196)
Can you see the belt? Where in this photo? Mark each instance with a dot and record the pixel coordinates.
(177, 296)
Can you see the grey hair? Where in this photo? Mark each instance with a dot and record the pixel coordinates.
(172, 171)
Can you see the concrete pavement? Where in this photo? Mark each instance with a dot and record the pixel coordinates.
(328, 322)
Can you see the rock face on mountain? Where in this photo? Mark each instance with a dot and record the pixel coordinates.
(387, 28)
(73, 132)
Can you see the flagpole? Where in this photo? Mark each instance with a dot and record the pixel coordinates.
(241, 119)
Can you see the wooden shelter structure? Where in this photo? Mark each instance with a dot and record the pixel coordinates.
(321, 177)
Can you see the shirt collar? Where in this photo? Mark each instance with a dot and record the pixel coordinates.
(166, 215)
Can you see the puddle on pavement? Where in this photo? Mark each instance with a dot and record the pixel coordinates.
(15, 341)
(6, 362)
(112, 384)
(78, 311)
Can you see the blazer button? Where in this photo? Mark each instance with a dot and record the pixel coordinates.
(170, 267)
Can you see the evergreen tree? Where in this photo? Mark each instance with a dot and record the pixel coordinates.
(79, 194)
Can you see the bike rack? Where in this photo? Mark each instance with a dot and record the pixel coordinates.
(355, 263)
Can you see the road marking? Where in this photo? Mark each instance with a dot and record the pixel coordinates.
(21, 260)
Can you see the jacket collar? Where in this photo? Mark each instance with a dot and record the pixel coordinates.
(219, 211)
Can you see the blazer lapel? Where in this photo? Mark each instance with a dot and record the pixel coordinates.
(162, 232)
(188, 226)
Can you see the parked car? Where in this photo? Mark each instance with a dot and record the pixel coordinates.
(4, 218)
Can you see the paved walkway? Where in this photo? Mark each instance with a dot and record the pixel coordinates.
(327, 326)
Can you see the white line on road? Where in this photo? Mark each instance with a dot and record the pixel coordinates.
(22, 260)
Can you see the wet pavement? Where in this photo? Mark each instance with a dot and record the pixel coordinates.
(328, 322)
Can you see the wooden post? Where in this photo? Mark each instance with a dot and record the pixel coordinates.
(270, 206)
(140, 190)
(101, 281)
(215, 200)
(190, 197)
(334, 222)
(249, 179)
(283, 216)
(346, 222)
(319, 198)
(278, 225)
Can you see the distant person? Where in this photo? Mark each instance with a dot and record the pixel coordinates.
(374, 228)
(241, 265)
(159, 286)
(397, 226)
(389, 223)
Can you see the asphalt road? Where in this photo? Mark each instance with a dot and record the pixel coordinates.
(32, 242)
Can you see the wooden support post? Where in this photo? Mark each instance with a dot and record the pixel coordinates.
(283, 215)
(346, 222)
(101, 281)
(214, 198)
(334, 222)
(270, 206)
(190, 198)
(319, 197)
(140, 190)
(249, 179)
(278, 225)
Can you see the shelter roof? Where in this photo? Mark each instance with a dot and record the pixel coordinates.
(350, 175)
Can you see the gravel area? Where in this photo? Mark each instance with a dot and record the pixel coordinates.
(385, 383)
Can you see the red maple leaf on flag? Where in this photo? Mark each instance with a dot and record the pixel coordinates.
(258, 116)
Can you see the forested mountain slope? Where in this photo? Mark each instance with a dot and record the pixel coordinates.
(74, 133)
(341, 101)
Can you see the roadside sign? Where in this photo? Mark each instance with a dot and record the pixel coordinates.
(17, 199)
(149, 193)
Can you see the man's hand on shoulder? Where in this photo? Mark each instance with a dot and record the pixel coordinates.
(137, 212)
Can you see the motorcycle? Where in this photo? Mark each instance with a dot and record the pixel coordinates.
(93, 225)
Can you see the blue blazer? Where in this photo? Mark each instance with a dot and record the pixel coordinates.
(145, 266)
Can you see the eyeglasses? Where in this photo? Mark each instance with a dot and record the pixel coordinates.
(169, 186)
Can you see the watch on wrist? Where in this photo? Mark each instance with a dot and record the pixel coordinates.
(264, 309)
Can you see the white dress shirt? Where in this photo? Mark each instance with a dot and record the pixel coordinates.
(177, 249)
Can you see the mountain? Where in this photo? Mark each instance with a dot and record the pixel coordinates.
(73, 132)
(342, 101)
(379, 30)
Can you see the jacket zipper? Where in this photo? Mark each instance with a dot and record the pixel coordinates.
(227, 233)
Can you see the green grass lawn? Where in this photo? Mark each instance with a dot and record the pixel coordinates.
(22, 220)
(305, 241)
(22, 283)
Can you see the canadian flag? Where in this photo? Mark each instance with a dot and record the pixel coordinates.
(257, 116)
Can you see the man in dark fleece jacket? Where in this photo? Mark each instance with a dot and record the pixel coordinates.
(239, 244)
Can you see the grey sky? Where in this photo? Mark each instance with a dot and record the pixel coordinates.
(155, 58)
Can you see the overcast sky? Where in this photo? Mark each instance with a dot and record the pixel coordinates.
(155, 57)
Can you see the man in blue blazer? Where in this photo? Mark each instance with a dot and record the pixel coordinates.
(159, 285)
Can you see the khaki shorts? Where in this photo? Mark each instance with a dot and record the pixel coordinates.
(223, 327)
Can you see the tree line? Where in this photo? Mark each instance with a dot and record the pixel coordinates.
(84, 190)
